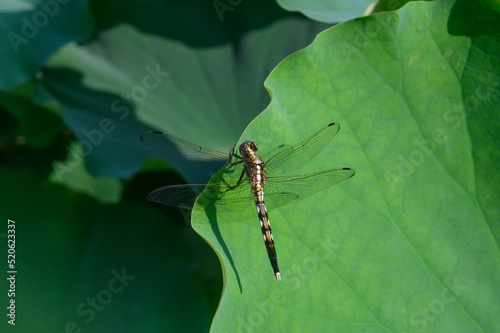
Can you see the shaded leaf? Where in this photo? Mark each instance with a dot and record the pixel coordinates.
(84, 265)
(34, 31)
(113, 86)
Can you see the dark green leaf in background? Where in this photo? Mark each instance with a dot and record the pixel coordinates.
(39, 125)
(191, 22)
(69, 249)
(33, 31)
(73, 174)
(205, 95)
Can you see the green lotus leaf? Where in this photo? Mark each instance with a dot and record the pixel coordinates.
(410, 243)
(327, 11)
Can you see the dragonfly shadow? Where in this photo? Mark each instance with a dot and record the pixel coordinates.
(209, 207)
(211, 214)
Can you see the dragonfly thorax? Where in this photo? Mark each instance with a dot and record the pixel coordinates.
(248, 148)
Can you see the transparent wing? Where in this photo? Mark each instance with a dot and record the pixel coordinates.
(280, 191)
(169, 145)
(237, 198)
(231, 195)
(292, 157)
(182, 196)
(197, 163)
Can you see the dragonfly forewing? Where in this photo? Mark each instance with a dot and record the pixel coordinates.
(168, 145)
(227, 196)
(293, 157)
(182, 196)
(284, 190)
(196, 162)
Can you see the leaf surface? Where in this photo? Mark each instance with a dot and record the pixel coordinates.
(410, 243)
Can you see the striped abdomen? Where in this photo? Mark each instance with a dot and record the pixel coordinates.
(268, 237)
(257, 181)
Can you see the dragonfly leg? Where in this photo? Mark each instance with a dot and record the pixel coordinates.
(239, 180)
(236, 163)
(231, 155)
(231, 187)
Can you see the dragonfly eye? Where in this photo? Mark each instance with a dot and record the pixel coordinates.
(243, 147)
(247, 147)
(253, 146)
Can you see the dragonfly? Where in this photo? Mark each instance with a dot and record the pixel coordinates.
(263, 179)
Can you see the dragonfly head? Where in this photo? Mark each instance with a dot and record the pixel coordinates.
(248, 147)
